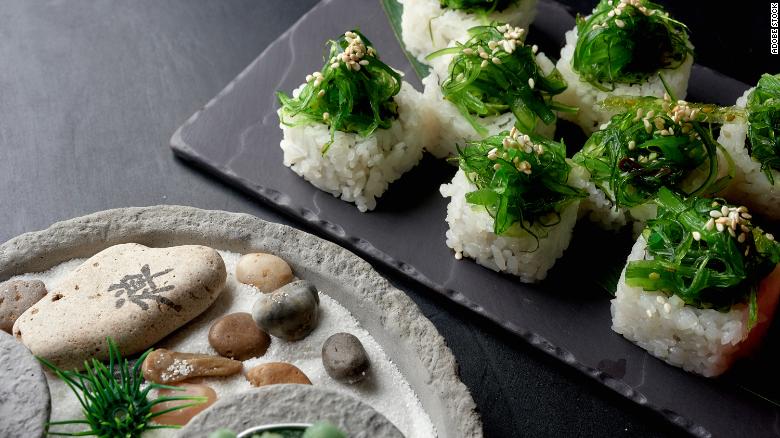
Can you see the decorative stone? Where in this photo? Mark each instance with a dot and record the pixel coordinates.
(165, 366)
(24, 394)
(184, 415)
(134, 294)
(274, 373)
(238, 337)
(290, 312)
(16, 297)
(294, 404)
(344, 358)
(266, 272)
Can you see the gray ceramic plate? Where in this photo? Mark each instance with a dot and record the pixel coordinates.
(407, 337)
(236, 138)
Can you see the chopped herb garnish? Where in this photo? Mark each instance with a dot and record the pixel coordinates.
(521, 181)
(478, 6)
(353, 92)
(655, 143)
(494, 72)
(763, 108)
(706, 252)
(626, 42)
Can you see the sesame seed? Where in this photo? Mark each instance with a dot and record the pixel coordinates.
(334, 65)
(770, 236)
(468, 51)
(620, 23)
(732, 232)
(631, 145)
(741, 238)
(325, 115)
(496, 166)
(496, 61)
(724, 211)
(709, 225)
(746, 215)
(321, 93)
(696, 236)
(715, 213)
(534, 48)
(484, 64)
(720, 227)
(648, 127)
(531, 82)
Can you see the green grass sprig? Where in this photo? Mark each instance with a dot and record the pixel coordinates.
(626, 42)
(763, 109)
(352, 93)
(113, 402)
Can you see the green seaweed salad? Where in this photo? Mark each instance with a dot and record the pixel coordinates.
(706, 252)
(763, 107)
(521, 181)
(478, 6)
(494, 72)
(352, 93)
(627, 41)
(657, 143)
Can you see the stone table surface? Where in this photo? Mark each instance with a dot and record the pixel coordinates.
(90, 93)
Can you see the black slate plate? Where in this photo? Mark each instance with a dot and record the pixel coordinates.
(235, 137)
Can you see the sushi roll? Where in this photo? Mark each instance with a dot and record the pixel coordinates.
(513, 204)
(754, 143)
(701, 285)
(622, 48)
(430, 25)
(652, 143)
(354, 127)
(493, 82)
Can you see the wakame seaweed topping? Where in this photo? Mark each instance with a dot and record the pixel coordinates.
(763, 107)
(626, 42)
(657, 143)
(478, 6)
(353, 92)
(521, 181)
(494, 72)
(706, 252)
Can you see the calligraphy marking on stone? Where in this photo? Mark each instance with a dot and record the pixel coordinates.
(140, 288)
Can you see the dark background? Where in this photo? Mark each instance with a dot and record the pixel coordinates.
(91, 91)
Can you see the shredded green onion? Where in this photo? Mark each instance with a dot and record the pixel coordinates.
(521, 180)
(353, 92)
(494, 72)
(478, 6)
(707, 258)
(655, 143)
(627, 41)
(763, 108)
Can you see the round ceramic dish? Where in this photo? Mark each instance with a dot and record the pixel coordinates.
(407, 337)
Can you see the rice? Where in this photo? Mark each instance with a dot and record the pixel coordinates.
(750, 185)
(600, 210)
(359, 169)
(455, 130)
(427, 27)
(703, 341)
(586, 97)
(470, 234)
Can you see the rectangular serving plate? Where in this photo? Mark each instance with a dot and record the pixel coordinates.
(235, 137)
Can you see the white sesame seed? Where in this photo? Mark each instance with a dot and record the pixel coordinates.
(534, 48)
(720, 227)
(325, 116)
(321, 93)
(724, 211)
(531, 82)
(468, 51)
(715, 213)
(732, 232)
(363, 62)
(496, 61)
(696, 236)
(709, 225)
(484, 64)
(747, 215)
(335, 65)
(770, 236)
(620, 23)
(458, 255)
(741, 238)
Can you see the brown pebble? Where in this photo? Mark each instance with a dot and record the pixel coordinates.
(238, 337)
(15, 298)
(165, 366)
(274, 373)
(266, 272)
(183, 416)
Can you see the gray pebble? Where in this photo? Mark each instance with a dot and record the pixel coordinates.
(290, 312)
(15, 298)
(24, 394)
(344, 358)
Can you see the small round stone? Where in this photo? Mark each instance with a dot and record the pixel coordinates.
(290, 312)
(274, 373)
(184, 415)
(15, 298)
(24, 394)
(238, 337)
(266, 272)
(344, 358)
